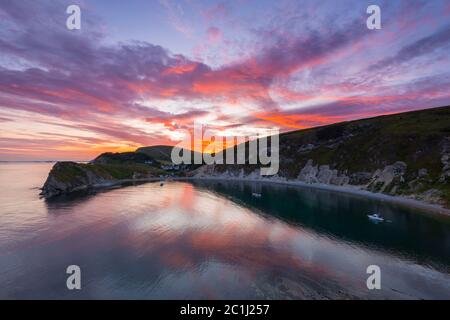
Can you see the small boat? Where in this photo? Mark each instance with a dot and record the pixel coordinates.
(375, 217)
(256, 195)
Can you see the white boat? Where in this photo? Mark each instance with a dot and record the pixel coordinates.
(375, 217)
(256, 195)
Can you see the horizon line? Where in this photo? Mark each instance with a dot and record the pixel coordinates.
(283, 133)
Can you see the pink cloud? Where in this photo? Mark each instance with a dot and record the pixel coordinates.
(214, 35)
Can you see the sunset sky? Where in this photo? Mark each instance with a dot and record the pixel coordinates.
(139, 73)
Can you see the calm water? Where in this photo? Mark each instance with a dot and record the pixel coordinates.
(213, 240)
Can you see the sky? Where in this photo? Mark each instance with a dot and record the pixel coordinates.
(140, 73)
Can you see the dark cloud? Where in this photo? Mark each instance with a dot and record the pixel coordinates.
(421, 47)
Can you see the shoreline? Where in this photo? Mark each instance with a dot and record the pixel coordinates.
(401, 200)
(99, 186)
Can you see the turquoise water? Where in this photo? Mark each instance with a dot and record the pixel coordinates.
(206, 240)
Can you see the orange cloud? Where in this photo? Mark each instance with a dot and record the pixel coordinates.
(181, 69)
(296, 121)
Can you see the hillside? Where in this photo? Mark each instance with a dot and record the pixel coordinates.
(159, 153)
(401, 154)
(404, 154)
(147, 163)
(162, 154)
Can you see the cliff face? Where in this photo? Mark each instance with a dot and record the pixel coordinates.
(391, 180)
(405, 154)
(66, 177)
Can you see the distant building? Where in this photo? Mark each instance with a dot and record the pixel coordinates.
(170, 167)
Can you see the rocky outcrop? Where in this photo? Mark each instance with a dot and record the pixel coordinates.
(66, 177)
(379, 181)
(389, 177)
(309, 173)
(445, 159)
(389, 180)
(322, 174)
